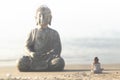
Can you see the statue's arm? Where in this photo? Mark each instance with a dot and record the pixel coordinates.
(57, 45)
(29, 44)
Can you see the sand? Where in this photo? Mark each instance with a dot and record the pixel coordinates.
(71, 72)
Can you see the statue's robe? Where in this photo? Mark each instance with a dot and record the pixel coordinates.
(46, 45)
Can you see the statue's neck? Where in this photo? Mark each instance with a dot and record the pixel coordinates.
(42, 27)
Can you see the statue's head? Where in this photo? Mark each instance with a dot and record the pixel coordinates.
(43, 15)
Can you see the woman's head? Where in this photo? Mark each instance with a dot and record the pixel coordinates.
(96, 60)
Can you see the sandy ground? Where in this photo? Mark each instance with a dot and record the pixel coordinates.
(71, 72)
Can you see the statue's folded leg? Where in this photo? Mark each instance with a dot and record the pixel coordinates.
(24, 64)
(56, 64)
(38, 65)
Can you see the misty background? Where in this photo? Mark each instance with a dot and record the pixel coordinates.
(87, 28)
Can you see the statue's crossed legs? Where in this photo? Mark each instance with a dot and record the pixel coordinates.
(26, 64)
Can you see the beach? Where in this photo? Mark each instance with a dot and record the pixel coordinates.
(70, 72)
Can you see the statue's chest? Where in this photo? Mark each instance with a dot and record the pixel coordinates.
(42, 36)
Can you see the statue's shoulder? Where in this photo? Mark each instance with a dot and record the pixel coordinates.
(53, 31)
(33, 30)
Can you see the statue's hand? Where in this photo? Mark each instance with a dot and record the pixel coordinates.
(53, 55)
(52, 52)
(36, 55)
(32, 54)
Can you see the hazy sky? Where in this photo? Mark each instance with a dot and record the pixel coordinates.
(71, 18)
(79, 18)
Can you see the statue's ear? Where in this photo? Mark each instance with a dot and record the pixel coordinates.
(50, 19)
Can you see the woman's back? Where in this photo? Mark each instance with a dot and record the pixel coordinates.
(96, 66)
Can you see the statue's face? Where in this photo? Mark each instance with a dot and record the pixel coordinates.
(42, 19)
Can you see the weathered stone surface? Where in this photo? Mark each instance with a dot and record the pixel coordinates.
(56, 64)
(38, 65)
(24, 63)
(43, 46)
(28, 64)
